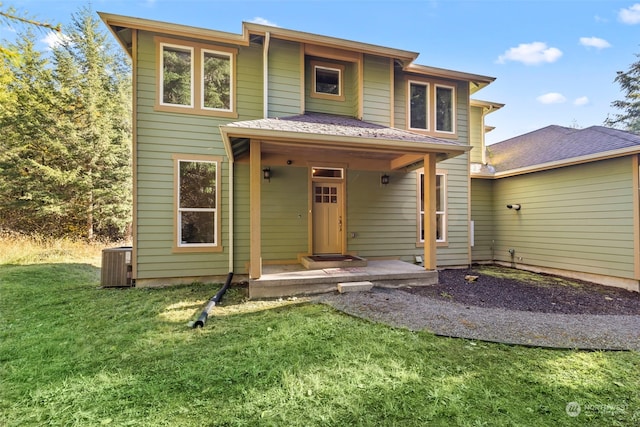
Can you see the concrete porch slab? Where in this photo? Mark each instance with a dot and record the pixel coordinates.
(287, 280)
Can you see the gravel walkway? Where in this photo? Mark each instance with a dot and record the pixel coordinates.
(402, 309)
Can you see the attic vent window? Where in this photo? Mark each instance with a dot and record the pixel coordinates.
(328, 80)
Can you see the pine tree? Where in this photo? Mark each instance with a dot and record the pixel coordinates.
(95, 84)
(65, 165)
(31, 180)
(629, 82)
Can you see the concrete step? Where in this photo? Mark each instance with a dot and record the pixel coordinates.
(345, 287)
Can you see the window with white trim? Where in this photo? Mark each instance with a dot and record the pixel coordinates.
(176, 83)
(441, 207)
(431, 107)
(195, 78)
(445, 108)
(419, 105)
(328, 80)
(197, 203)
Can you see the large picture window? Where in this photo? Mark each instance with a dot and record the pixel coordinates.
(196, 79)
(197, 200)
(431, 108)
(441, 207)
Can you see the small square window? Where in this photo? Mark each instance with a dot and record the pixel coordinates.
(327, 81)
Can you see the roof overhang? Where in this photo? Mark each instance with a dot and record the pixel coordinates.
(627, 151)
(121, 27)
(476, 81)
(371, 147)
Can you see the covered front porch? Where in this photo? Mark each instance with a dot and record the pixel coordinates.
(294, 279)
(317, 162)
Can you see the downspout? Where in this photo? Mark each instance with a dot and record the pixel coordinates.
(265, 74)
(231, 211)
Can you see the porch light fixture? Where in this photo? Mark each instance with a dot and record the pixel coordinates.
(384, 179)
(514, 206)
(266, 173)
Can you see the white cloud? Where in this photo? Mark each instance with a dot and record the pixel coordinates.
(596, 42)
(551, 98)
(54, 39)
(583, 100)
(531, 54)
(631, 15)
(263, 21)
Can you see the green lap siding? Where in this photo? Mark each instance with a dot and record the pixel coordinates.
(476, 133)
(482, 217)
(159, 136)
(455, 252)
(285, 81)
(383, 219)
(377, 90)
(575, 218)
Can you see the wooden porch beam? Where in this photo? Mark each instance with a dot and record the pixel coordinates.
(404, 160)
(430, 212)
(255, 227)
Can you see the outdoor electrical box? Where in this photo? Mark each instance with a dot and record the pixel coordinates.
(116, 267)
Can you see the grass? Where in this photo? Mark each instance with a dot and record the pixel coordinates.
(73, 354)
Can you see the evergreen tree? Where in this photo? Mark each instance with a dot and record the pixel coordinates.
(629, 82)
(65, 165)
(31, 147)
(95, 86)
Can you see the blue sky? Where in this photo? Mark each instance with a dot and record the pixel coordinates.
(554, 61)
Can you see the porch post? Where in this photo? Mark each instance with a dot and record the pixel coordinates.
(429, 212)
(255, 182)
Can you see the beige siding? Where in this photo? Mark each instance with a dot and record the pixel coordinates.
(377, 90)
(285, 81)
(482, 217)
(159, 136)
(575, 218)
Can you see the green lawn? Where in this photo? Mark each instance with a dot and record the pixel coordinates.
(73, 354)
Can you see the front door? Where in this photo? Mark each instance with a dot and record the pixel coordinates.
(327, 218)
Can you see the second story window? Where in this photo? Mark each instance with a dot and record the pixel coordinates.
(196, 79)
(431, 108)
(444, 109)
(328, 81)
(419, 105)
(177, 75)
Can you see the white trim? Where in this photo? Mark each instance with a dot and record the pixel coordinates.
(453, 109)
(445, 204)
(203, 51)
(179, 209)
(427, 107)
(191, 50)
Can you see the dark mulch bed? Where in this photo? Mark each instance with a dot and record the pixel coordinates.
(500, 287)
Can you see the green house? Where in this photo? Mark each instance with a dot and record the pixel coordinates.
(561, 201)
(272, 147)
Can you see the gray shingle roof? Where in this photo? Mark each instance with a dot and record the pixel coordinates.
(339, 126)
(556, 143)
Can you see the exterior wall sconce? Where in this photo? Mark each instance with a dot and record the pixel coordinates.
(384, 179)
(266, 174)
(514, 206)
